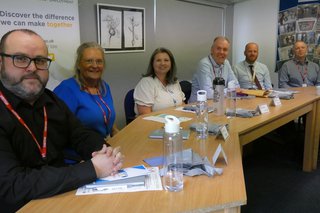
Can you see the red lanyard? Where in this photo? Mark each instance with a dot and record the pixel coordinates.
(304, 74)
(42, 150)
(106, 120)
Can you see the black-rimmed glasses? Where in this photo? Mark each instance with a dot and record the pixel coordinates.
(22, 61)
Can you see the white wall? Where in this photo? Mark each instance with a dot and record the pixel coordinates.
(187, 29)
(256, 20)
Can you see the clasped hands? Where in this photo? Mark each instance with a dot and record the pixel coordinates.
(107, 161)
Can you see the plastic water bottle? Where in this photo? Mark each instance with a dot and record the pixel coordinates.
(231, 99)
(218, 95)
(202, 115)
(172, 152)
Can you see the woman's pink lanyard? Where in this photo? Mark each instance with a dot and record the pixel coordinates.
(106, 120)
(43, 149)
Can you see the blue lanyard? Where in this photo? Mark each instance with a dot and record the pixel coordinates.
(171, 94)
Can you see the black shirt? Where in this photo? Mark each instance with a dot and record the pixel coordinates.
(24, 174)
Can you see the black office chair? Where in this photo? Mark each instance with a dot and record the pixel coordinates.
(129, 106)
(186, 89)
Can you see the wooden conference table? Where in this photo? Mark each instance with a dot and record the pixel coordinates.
(305, 102)
(225, 193)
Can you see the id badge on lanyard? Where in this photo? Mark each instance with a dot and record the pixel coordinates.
(303, 75)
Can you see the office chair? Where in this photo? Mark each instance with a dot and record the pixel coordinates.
(186, 89)
(129, 106)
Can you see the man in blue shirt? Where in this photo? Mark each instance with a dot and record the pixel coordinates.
(212, 66)
(250, 73)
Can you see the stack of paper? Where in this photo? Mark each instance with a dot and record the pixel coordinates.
(193, 108)
(151, 182)
(124, 179)
(160, 118)
(258, 93)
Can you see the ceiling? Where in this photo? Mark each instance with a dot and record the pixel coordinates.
(214, 3)
(228, 2)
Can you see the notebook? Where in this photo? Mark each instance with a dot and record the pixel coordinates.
(131, 176)
(129, 182)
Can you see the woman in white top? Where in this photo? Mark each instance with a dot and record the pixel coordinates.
(159, 87)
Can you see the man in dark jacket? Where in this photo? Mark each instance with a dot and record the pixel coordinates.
(36, 126)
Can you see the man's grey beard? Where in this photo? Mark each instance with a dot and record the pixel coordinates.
(18, 89)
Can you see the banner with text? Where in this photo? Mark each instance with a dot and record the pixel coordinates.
(57, 21)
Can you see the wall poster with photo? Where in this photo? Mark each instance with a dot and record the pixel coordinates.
(298, 20)
(121, 28)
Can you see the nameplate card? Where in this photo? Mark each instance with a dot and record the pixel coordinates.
(217, 153)
(275, 101)
(224, 132)
(263, 108)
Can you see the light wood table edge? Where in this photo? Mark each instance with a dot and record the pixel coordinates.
(310, 109)
(316, 136)
(234, 207)
(249, 135)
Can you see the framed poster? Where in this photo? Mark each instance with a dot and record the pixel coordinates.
(121, 28)
(298, 20)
